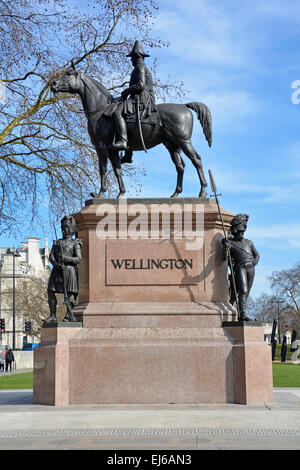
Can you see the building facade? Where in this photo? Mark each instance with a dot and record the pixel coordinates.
(268, 333)
(29, 261)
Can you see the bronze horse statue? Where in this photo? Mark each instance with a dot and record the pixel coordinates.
(174, 131)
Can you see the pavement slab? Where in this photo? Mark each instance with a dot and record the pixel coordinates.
(268, 426)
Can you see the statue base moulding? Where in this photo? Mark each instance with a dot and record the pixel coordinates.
(154, 322)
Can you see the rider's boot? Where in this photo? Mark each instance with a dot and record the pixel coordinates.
(121, 132)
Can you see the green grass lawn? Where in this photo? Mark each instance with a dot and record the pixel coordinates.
(284, 375)
(16, 381)
(278, 353)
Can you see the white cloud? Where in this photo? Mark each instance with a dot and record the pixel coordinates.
(277, 236)
(277, 231)
(207, 33)
(277, 9)
(210, 50)
(261, 282)
(248, 180)
(231, 109)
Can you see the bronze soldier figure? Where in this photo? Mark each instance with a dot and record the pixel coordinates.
(65, 256)
(244, 257)
(140, 92)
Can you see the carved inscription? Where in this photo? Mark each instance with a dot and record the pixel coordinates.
(133, 263)
(152, 263)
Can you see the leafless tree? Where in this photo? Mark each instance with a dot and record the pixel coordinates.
(261, 308)
(286, 285)
(32, 304)
(46, 157)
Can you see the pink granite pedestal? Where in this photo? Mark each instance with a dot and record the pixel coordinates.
(152, 331)
(51, 378)
(252, 363)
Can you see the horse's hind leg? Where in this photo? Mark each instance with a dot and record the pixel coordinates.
(116, 164)
(191, 153)
(179, 163)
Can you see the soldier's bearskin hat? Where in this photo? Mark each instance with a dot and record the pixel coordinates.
(68, 220)
(239, 222)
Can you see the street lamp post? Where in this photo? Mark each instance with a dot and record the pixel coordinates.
(278, 302)
(15, 255)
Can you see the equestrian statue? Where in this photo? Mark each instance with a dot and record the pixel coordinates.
(133, 122)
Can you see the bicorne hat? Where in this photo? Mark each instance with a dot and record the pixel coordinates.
(137, 50)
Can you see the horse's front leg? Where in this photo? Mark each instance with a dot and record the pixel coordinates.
(116, 164)
(103, 176)
(102, 159)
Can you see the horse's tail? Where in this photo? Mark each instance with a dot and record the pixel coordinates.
(204, 116)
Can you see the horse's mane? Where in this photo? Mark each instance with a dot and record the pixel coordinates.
(87, 78)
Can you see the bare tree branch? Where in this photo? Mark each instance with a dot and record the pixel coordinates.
(45, 146)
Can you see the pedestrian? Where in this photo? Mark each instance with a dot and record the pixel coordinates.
(9, 358)
(2, 361)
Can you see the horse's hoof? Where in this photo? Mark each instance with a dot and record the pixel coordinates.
(100, 195)
(203, 194)
(175, 194)
(120, 195)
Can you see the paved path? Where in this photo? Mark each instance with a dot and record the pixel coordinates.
(268, 426)
(16, 371)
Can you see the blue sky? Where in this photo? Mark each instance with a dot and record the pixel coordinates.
(240, 58)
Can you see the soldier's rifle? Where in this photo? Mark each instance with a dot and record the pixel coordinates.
(214, 190)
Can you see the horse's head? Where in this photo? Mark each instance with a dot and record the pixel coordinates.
(93, 95)
(69, 82)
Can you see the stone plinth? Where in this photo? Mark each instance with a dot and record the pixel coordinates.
(120, 283)
(51, 363)
(252, 363)
(151, 365)
(152, 306)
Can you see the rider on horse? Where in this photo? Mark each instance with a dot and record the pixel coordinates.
(140, 91)
(171, 124)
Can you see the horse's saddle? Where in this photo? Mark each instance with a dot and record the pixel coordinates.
(153, 118)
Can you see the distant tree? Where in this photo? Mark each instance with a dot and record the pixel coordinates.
(265, 310)
(32, 303)
(261, 308)
(46, 157)
(286, 284)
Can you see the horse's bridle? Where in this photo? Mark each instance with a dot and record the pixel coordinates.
(76, 75)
